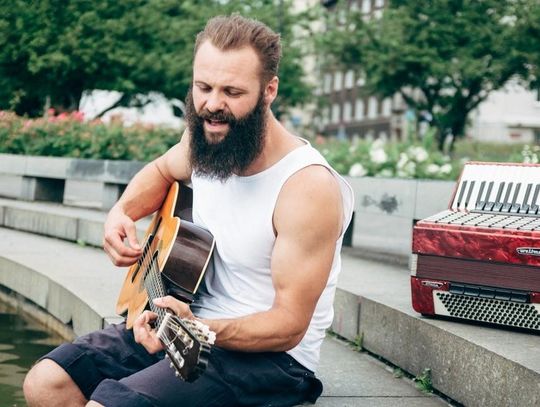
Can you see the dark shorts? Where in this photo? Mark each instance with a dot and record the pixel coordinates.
(110, 368)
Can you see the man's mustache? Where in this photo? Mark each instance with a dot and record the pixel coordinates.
(220, 115)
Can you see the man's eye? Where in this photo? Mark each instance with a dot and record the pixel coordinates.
(233, 93)
(204, 88)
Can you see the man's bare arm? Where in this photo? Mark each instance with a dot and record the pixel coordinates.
(143, 195)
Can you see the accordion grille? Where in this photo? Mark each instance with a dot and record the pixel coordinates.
(490, 310)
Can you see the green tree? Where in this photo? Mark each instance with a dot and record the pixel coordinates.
(442, 56)
(528, 34)
(52, 51)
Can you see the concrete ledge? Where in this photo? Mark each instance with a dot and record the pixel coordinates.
(386, 208)
(73, 224)
(474, 365)
(77, 182)
(66, 288)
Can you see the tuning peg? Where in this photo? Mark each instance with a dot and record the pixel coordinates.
(171, 365)
(177, 374)
(166, 356)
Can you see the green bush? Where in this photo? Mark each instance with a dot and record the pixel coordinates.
(68, 135)
(385, 159)
(417, 159)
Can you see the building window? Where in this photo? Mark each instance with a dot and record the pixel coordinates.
(387, 107)
(325, 116)
(361, 80)
(335, 113)
(359, 109)
(338, 81)
(349, 79)
(366, 6)
(327, 82)
(372, 107)
(347, 112)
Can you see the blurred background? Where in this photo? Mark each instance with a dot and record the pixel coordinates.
(391, 88)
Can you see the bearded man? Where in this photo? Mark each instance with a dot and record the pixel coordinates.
(277, 212)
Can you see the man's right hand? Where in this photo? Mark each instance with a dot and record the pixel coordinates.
(120, 227)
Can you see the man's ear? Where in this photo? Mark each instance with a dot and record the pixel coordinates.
(271, 90)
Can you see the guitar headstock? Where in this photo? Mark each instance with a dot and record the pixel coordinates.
(187, 345)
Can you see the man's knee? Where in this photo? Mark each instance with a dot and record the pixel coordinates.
(48, 381)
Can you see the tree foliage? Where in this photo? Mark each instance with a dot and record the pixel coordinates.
(442, 56)
(52, 51)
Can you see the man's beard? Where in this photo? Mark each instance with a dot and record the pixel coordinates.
(243, 142)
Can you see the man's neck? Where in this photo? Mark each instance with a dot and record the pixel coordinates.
(278, 142)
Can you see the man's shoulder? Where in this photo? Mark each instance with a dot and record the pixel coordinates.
(312, 184)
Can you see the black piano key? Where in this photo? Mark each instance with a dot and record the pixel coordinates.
(480, 202)
(497, 204)
(525, 204)
(483, 204)
(515, 205)
(461, 193)
(506, 205)
(469, 193)
(534, 205)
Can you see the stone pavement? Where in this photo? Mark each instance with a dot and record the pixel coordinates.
(78, 286)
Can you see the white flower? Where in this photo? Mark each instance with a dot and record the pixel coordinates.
(386, 173)
(446, 169)
(419, 154)
(378, 143)
(357, 170)
(353, 148)
(408, 170)
(433, 169)
(402, 160)
(378, 155)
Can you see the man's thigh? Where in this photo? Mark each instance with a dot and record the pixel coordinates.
(231, 379)
(107, 353)
(157, 385)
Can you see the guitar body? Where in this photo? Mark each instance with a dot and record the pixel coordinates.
(180, 250)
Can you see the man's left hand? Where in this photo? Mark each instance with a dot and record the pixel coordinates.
(143, 331)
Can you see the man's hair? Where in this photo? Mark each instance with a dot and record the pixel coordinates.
(235, 32)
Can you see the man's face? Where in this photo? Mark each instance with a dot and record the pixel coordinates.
(225, 111)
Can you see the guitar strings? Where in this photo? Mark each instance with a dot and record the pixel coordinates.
(154, 288)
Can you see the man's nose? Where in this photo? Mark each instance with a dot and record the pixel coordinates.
(215, 102)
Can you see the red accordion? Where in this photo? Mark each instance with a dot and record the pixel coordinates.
(480, 259)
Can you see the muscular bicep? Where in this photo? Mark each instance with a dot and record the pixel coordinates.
(308, 222)
(175, 164)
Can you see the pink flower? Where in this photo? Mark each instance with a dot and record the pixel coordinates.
(77, 116)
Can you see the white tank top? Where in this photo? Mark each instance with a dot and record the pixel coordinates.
(239, 212)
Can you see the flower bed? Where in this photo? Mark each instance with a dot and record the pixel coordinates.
(69, 135)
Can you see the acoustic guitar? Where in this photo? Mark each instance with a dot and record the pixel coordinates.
(176, 254)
